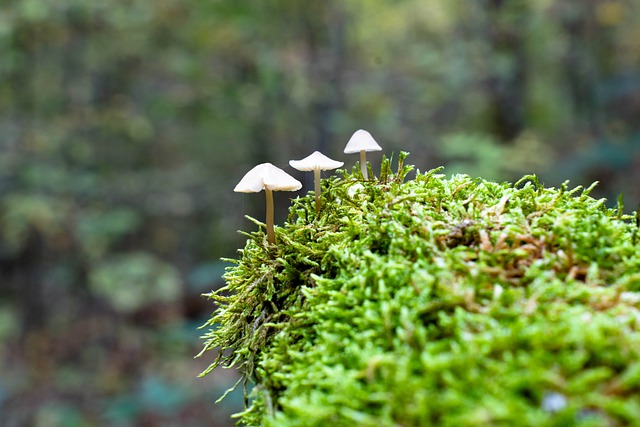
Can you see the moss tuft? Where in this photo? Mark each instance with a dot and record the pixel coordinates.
(436, 301)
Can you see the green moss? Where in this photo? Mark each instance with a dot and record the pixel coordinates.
(436, 301)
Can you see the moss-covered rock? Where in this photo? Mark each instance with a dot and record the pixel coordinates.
(436, 301)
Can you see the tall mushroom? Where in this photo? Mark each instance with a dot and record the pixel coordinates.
(316, 162)
(269, 178)
(361, 142)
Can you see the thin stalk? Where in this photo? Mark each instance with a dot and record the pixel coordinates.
(271, 237)
(363, 164)
(316, 189)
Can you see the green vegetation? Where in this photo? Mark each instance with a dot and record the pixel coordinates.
(125, 124)
(436, 301)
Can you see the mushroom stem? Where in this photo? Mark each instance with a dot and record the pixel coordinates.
(316, 189)
(363, 163)
(271, 237)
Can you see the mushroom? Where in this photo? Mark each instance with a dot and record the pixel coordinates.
(316, 162)
(269, 178)
(361, 142)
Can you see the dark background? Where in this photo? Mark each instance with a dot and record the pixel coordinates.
(125, 125)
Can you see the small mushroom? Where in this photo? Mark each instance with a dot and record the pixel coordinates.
(361, 142)
(269, 178)
(316, 162)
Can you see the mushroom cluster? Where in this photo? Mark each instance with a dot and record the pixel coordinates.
(270, 178)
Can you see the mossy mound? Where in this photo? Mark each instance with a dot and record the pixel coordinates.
(437, 302)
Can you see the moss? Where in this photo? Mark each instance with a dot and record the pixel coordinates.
(436, 301)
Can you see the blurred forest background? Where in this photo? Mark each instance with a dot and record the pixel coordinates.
(124, 126)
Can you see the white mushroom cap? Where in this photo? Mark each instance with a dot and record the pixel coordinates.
(314, 161)
(361, 140)
(268, 176)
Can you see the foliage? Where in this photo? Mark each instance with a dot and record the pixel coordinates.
(155, 282)
(125, 125)
(437, 301)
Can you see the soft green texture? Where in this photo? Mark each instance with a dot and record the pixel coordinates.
(437, 301)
